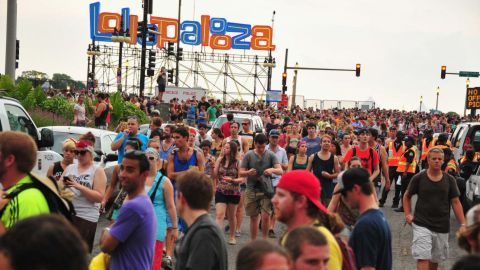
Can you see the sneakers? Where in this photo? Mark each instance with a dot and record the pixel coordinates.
(399, 209)
(238, 234)
(271, 234)
(232, 241)
(167, 263)
(380, 204)
(395, 205)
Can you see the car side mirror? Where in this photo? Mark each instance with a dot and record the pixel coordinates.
(46, 136)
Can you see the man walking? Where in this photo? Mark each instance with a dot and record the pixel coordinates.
(395, 151)
(257, 163)
(18, 156)
(130, 132)
(203, 245)
(281, 155)
(436, 191)
(131, 239)
(407, 167)
(312, 140)
(297, 203)
(371, 239)
(369, 157)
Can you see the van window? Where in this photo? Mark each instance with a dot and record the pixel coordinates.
(14, 114)
(458, 137)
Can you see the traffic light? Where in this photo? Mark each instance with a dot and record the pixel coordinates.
(141, 30)
(284, 82)
(170, 75)
(443, 72)
(357, 70)
(170, 48)
(151, 63)
(180, 53)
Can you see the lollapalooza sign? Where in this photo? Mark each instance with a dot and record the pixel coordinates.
(217, 33)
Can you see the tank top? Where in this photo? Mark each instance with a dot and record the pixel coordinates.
(201, 118)
(102, 119)
(294, 142)
(297, 166)
(249, 137)
(84, 208)
(57, 170)
(164, 153)
(227, 187)
(319, 165)
(159, 206)
(239, 140)
(183, 165)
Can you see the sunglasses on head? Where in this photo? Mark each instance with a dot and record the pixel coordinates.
(80, 152)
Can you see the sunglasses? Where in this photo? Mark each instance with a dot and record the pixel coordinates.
(245, 124)
(151, 158)
(80, 152)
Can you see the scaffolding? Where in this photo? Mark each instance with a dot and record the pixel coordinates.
(240, 77)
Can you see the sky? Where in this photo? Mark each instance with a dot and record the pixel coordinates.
(400, 44)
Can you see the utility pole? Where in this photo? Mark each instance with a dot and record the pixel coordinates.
(11, 40)
(177, 55)
(438, 93)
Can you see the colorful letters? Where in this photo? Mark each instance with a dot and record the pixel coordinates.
(217, 33)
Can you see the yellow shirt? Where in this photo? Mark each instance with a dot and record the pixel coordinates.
(336, 257)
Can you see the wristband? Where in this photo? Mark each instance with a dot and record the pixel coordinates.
(174, 228)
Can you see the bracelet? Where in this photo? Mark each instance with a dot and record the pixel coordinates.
(174, 228)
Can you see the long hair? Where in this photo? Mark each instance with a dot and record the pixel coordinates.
(232, 157)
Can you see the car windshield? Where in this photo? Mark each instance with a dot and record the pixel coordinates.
(60, 137)
(239, 119)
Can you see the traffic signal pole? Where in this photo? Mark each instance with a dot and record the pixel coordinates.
(11, 39)
(144, 46)
(177, 55)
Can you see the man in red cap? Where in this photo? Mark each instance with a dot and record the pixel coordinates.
(297, 203)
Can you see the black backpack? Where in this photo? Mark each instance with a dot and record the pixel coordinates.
(354, 154)
(50, 190)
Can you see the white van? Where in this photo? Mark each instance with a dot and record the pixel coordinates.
(465, 133)
(14, 117)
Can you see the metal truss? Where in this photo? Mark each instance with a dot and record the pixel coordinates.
(232, 76)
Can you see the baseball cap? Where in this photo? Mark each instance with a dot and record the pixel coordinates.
(409, 138)
(304, 183)
(274, 133)
(351, 177)
(473, 216)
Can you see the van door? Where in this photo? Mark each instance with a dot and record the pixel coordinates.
(458, 141)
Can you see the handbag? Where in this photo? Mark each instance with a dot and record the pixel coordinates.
(267, 186)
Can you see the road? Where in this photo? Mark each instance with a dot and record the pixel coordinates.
(402, 238)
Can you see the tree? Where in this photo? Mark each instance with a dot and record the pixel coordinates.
(61, 81)
(36, 77)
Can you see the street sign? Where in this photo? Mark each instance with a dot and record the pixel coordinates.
(469, 74)
(473, 98)
(274, 96)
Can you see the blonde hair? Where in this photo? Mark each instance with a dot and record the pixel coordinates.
(69, 144)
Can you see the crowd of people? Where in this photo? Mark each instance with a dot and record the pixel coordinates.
(324, 174)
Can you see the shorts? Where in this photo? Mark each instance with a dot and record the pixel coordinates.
(256, 203)
(226, 199)
(86, 229)
(428, 245)
(243, 187)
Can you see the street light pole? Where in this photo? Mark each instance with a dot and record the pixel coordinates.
(294, 87)
(438, 93)
(421, 101)
(11, 39)
(466, 90)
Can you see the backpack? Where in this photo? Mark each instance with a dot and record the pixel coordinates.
(57, 203)
(348, 256)
(354, 154)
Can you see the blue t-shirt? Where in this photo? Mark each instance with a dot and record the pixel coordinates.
(378, 253)
(313, 145)
(135, 229)
(121, 150)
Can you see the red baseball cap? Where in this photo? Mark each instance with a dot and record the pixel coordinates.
(304, 183)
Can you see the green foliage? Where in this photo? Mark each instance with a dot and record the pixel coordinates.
(59, 105)
(123, 109)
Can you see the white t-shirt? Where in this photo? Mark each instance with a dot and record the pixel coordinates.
(84, 208)
(80, 109)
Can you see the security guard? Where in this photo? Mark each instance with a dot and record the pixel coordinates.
(407, 166)
(449, 165)
(427, 143)
(395, 150)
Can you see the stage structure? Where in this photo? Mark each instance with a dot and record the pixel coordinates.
(210, 64)
(225, 76)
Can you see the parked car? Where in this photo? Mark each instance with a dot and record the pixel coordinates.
(256, 124)
(13, 117)
(468, 133)
(104, 156)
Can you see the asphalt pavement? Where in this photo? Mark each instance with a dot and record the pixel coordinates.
(401, 233)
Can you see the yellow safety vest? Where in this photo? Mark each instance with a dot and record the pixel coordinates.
(402, 164)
